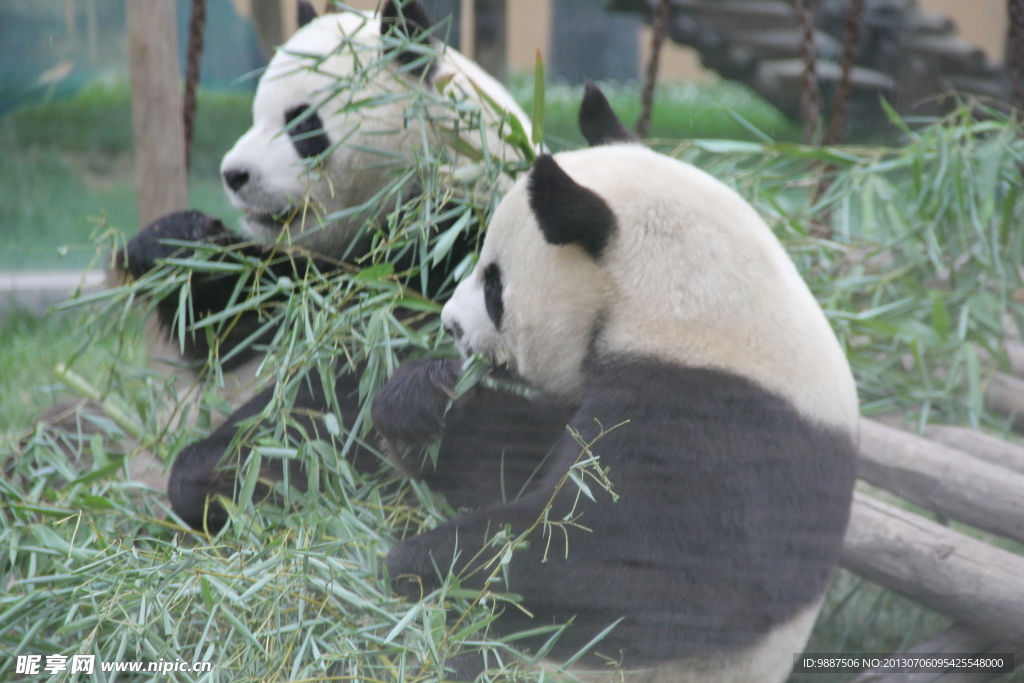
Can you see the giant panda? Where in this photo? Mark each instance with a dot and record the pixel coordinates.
(650, 307)
(303, 177)
(302, 111)
(312, 158)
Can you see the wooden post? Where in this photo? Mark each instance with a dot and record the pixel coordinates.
(268, 20)
(70, 20)
(196, 31)
(161, 181)
(467, 30)
(836, 132)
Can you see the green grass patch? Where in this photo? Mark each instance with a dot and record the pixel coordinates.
(98, 122)
(51, 202)
(32, 348)
(724, 110)
(68, 166)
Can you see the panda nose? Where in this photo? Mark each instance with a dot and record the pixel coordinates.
(235, 179)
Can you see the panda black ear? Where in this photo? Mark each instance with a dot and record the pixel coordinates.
(568, 213)
(307, 13)
(597, 119)
(408, 18)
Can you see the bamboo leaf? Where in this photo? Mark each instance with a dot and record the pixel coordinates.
(537, 115)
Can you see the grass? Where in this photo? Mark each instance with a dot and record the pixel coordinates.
(724, 110)
(68, 167)
(917, 266)
(32, 347)
(97, 122)
(911, 251)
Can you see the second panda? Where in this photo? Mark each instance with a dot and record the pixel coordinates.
(643, 298)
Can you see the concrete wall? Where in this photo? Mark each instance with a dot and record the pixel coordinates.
(983, 22)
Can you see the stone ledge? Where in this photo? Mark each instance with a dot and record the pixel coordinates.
(38, 290)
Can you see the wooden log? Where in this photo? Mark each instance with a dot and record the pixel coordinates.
(1015, 353)
(785, 43)
(953, 54)
(980, 445)
(161, 181)
(1005, 394)
(954, 640)
(972, 582)
(740, 15)
(927, 23)
(943, 479)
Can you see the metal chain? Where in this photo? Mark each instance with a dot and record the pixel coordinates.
(840, 105)
(660, 27)
(810, 99)
(1015, 58)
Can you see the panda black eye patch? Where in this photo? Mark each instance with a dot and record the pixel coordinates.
(493, 294)
(308, 137)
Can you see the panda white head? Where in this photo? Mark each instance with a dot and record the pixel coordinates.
(617, 250)
(310, 152)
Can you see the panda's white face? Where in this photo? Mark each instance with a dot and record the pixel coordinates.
(683, 270)
(528, 304)
(277, 173)
(271, 174)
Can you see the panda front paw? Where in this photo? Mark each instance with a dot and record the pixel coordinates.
(143, 251)
(413, 566)
(410, 408)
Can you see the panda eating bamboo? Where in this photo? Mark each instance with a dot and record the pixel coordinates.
(654, 311)
(339, 115)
